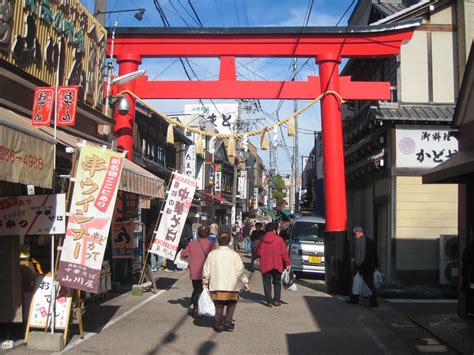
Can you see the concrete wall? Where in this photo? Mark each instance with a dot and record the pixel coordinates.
(423, 212)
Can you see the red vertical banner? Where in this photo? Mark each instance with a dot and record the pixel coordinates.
(43, 104)
(67, 105)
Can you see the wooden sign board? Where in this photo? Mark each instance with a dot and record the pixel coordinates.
(41, 309)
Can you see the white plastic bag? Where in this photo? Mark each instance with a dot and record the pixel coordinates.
(292, 288)
(365, 290)
(205, 304)
(180, 262)
(357, 284)
(378, 279)
(288, 279)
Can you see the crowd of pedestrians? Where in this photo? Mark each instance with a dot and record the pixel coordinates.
(215, 264)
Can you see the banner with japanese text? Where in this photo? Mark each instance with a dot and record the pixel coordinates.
(33, 215)
(66, 105)
(40, 304)
(174, 214)
(43, 105)
(123, 240)
(92, 205)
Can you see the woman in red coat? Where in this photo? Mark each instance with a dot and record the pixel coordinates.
(273, 259)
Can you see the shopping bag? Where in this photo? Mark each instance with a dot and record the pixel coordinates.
(288, 279)
(205, 304)
(180, 262)
(365, 291)
(357, 284)
(378, 279)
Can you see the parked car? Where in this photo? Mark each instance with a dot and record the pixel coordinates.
(306, 244)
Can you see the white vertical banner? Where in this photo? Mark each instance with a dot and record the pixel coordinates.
(218, 179)
(190, 156)
(255, 198)
(243, 184)
(173, 217)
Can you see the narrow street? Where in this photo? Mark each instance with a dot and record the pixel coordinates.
(309, 322)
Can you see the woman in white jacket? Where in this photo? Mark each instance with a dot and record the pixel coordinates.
(222, 273)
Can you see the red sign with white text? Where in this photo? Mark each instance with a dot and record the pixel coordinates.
(43, 105)
(66, 105)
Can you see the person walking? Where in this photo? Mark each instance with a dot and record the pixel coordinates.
(365, 262)
(221, 274)
(255, 239)
(196, 252)
(273, 259)
(236, 236)
(246, 235)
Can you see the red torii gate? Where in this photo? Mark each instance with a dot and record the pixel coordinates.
(326, 44)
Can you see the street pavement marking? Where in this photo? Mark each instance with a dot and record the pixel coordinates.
(371, 335)
(409, 300)
(111, 322)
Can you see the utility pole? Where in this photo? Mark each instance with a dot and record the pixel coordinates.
(236, 168)
(295, 151)
(270, 177)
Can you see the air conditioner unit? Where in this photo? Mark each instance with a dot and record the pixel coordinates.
(448, 259)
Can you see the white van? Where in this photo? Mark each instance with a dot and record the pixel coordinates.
(306, 244)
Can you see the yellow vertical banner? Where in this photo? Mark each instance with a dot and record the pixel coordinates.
(92, 205)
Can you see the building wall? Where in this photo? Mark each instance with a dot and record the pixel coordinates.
(423, 212)
(465, 32)
(414, 69)
(427, 69)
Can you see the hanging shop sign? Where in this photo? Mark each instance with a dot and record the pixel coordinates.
(92, 204)
(43, 105)
(222, 116)
(123, 240)
(423, 147)
(242, 184)
(255, 198)
(217, 179)
(32, 215)
(41, 310)
(190, 156)
(49, 39)
(25, 159)
(173, 216)
(66, 105)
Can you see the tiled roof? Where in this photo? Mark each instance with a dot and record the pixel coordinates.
(431, 113)
(388, 8)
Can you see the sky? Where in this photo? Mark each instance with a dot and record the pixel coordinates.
(240, 13)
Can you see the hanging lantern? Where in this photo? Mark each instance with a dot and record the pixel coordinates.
(231, 149)
(264, 143)
(170, 134)
(199, 145)
(292, 127)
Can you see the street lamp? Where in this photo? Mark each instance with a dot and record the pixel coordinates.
(138, 14)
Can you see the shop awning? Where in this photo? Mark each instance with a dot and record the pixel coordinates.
(135, 179)
(26, 154)
(218, 199)
(456, 169)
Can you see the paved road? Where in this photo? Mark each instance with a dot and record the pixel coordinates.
(310, 322)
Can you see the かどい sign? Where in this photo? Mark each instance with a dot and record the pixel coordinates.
(423, 147)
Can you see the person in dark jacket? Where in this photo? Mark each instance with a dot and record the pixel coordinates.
(273, 259)
(365, 261)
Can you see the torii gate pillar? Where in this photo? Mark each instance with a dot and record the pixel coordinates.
(336, 246)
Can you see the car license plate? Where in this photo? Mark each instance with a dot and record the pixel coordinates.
(314, 259)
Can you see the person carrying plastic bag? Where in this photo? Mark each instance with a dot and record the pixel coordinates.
(222, 274)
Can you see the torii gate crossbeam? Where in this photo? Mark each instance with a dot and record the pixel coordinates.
(327, 45)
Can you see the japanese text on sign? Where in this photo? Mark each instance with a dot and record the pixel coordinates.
(93, 201)
(32, 215)
(424, 148)
(174, 214)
